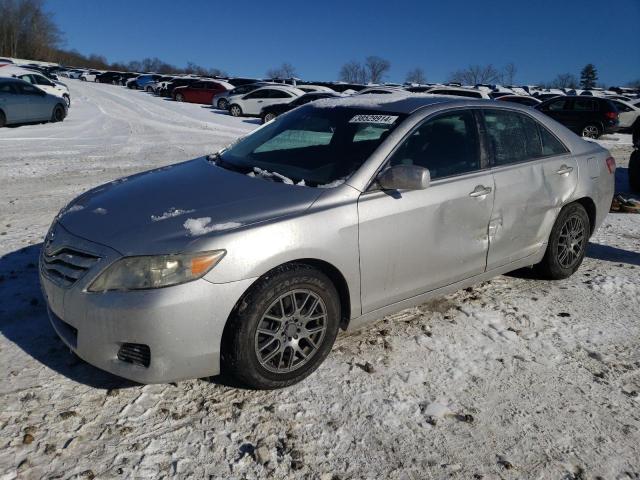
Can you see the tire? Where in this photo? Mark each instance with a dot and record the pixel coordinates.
(3, 119)
(179, 97)
(567, 243)
(82, 79)
(67, 99)
(591, 130)
(246, 352)
(267, 117)
(634, 170)
(58, 113)
(235, 110)
(223, 104)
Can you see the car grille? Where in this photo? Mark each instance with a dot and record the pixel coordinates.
(136, 353)
(66, 266)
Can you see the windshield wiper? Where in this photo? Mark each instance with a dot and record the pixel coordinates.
(217, 160)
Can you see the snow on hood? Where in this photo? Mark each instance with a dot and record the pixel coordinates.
(161, 211)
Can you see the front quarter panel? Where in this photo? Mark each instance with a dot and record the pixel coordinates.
(327, 231)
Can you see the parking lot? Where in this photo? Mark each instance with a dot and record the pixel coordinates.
(513, 378)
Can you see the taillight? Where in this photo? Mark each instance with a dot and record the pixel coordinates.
(611, 164)
(611, 115)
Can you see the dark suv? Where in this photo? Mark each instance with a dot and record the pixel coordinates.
(587, 116)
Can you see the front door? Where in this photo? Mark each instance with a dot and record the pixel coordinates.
(412, 242)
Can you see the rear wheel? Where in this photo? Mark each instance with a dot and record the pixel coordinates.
(58, 113)
(567, 243)
(3, 120)
(591, 131)
(268, 117)
(282, 329)
(223, 104)
(235, 110)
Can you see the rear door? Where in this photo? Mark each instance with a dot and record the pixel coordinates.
(412, 242)
(560, 110)
(13, 103)
(534, 175)
(255, 101)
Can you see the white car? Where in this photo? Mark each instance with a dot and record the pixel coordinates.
(628, 113)
(58, 89)
(252, 103)
(90, 76)
(459, 92)
(75, 73)
(314, 88)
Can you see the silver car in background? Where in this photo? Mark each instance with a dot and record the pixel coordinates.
(22, 102)
(250, 261)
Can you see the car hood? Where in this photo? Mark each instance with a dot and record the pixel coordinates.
(174, 208)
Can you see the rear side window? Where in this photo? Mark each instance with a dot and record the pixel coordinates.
(447, 145)
(550, 144)
(584, 105)
(557, 105)
(6, 88)
(513, 137)
(279, 94)
(259, 94)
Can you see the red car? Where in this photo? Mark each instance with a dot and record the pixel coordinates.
(199, 92)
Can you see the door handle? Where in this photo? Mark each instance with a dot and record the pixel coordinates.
(564, 170)
(480, 191)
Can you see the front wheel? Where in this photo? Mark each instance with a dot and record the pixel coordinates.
(591, 131)
(235, 111)
(67, 99)
(58, 114)
(179, 97)
(282, 329)
(567, 243)
(267, 117)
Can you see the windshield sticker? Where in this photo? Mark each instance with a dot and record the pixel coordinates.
(380, 119)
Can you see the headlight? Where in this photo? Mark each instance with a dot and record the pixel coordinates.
(139, 273)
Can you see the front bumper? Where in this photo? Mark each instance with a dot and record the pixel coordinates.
(181, 325)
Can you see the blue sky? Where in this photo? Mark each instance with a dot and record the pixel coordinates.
(245, 38)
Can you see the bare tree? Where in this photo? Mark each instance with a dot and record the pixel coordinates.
(564, 80)
(509, 74)
(376, 68)
(353, 72)
(26, 30)
(416, 76)
(286, 70)
(476, 74)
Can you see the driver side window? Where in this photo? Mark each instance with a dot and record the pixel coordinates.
(447, 145)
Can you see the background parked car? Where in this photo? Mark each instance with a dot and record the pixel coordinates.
(587, 116)
(142, 81)
(152, 87)
(200, 92)
(272, 111)
(220, 100)
(178, 82)
(459, 92)
(108, 77)
(628, 114)
(22, 102)
(253, 103)
(521, 99)
(35, 78)
(90, 76)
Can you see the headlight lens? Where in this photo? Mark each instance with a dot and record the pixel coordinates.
(140, 273)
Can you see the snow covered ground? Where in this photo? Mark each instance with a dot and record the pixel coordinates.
(513, 378)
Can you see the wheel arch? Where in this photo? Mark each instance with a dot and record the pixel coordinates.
(590, 206)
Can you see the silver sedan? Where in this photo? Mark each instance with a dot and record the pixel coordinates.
(250, 261)
(22, 102)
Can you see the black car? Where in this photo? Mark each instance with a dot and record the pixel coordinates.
(272, 111)
(587, 116)
(108, 77)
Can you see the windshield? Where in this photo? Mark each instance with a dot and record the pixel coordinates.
(316, 145)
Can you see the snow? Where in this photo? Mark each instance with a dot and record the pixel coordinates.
(513, 378)
(202, 226)
(172, 212)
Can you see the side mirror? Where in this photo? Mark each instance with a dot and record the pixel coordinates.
(404, 177)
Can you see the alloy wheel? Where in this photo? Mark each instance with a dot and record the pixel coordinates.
(571, 241)
(590, 131)
(268, 117)
(179, 97)
(291, 331)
